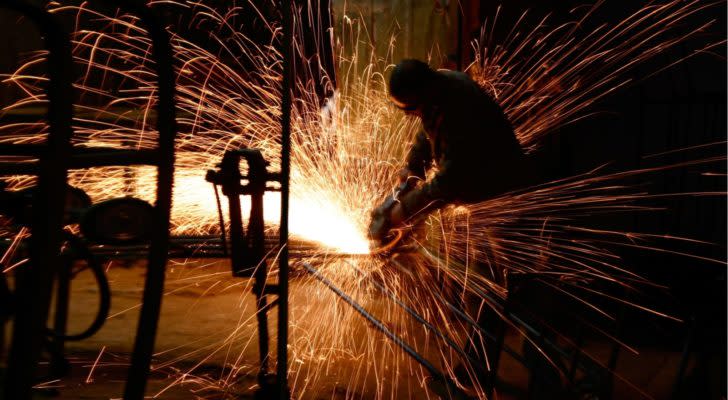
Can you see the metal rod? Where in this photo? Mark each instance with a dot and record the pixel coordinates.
(262, 307)
(223, 234)
(60, 320)
(282, 351)
(34, 283)
(447, 339)
(509, 315)
(434, 372)
(166, 126)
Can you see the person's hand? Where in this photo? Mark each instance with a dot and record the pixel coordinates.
(403, 174)
(380, 223)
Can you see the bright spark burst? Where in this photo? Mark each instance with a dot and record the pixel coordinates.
(343, 160)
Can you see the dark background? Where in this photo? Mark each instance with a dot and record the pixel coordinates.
(680, 107)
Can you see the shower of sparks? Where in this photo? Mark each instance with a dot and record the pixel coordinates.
(344, 158)
(545, 77)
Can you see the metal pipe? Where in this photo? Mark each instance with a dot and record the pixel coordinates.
(434, 372)
(449, 341)
(58, 362)
(166, 126)
(34, 283)
(223, 234)
(282, 351)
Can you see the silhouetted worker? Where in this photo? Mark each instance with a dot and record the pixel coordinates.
(465, 134)
(468, 138)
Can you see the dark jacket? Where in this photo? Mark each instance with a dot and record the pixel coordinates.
(468, 137)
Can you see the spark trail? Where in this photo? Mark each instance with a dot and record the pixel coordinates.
(343, 159)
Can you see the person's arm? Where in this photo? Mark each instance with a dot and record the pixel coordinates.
(449, 183)
(419, 157)
(442, 189)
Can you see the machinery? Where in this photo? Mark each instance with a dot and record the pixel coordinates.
(247, 246)
(380, 217)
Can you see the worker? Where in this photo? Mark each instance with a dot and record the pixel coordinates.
(465, 134)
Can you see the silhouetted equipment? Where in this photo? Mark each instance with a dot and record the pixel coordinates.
(118, 221)
(50, 161)
(127, 225)
(18, 207)
(18, 204)
(247, 249)
(33, 282)
(248, 246)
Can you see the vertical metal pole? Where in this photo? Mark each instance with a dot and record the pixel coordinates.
(34, 282)
(59, 364)
(255, 249)
(237, 235)
(157, 260)
(282, 367)
(261, 304)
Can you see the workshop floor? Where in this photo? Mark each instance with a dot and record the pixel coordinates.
(202, 307)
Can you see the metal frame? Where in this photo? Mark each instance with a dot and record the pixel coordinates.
(247, 249)
(34, 282)
(282, 367)
(163, 158)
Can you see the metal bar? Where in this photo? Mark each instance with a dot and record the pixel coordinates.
(237, 234)
(487, 334)
(449, 341)
(382, 328)
(85, 157)
(221, 218)
(60, 319)
(20, 168)
(128, 158)
(34, 282)
(154, 282)
(261, 303)
(21, 149)
(282, 351)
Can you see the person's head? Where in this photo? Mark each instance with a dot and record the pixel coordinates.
(410, 86)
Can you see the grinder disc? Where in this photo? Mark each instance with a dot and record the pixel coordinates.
(397, 235)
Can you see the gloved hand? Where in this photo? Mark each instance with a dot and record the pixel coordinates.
(403, 175)
(380, 223)
(390, 213)
(385, 217)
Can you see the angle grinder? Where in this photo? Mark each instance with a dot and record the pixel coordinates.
(383, 237)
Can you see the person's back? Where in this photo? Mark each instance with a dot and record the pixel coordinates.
(467, 127)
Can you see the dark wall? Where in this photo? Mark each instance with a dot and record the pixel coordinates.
(681, 107)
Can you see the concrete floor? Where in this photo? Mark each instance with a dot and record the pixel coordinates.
(203, 306)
